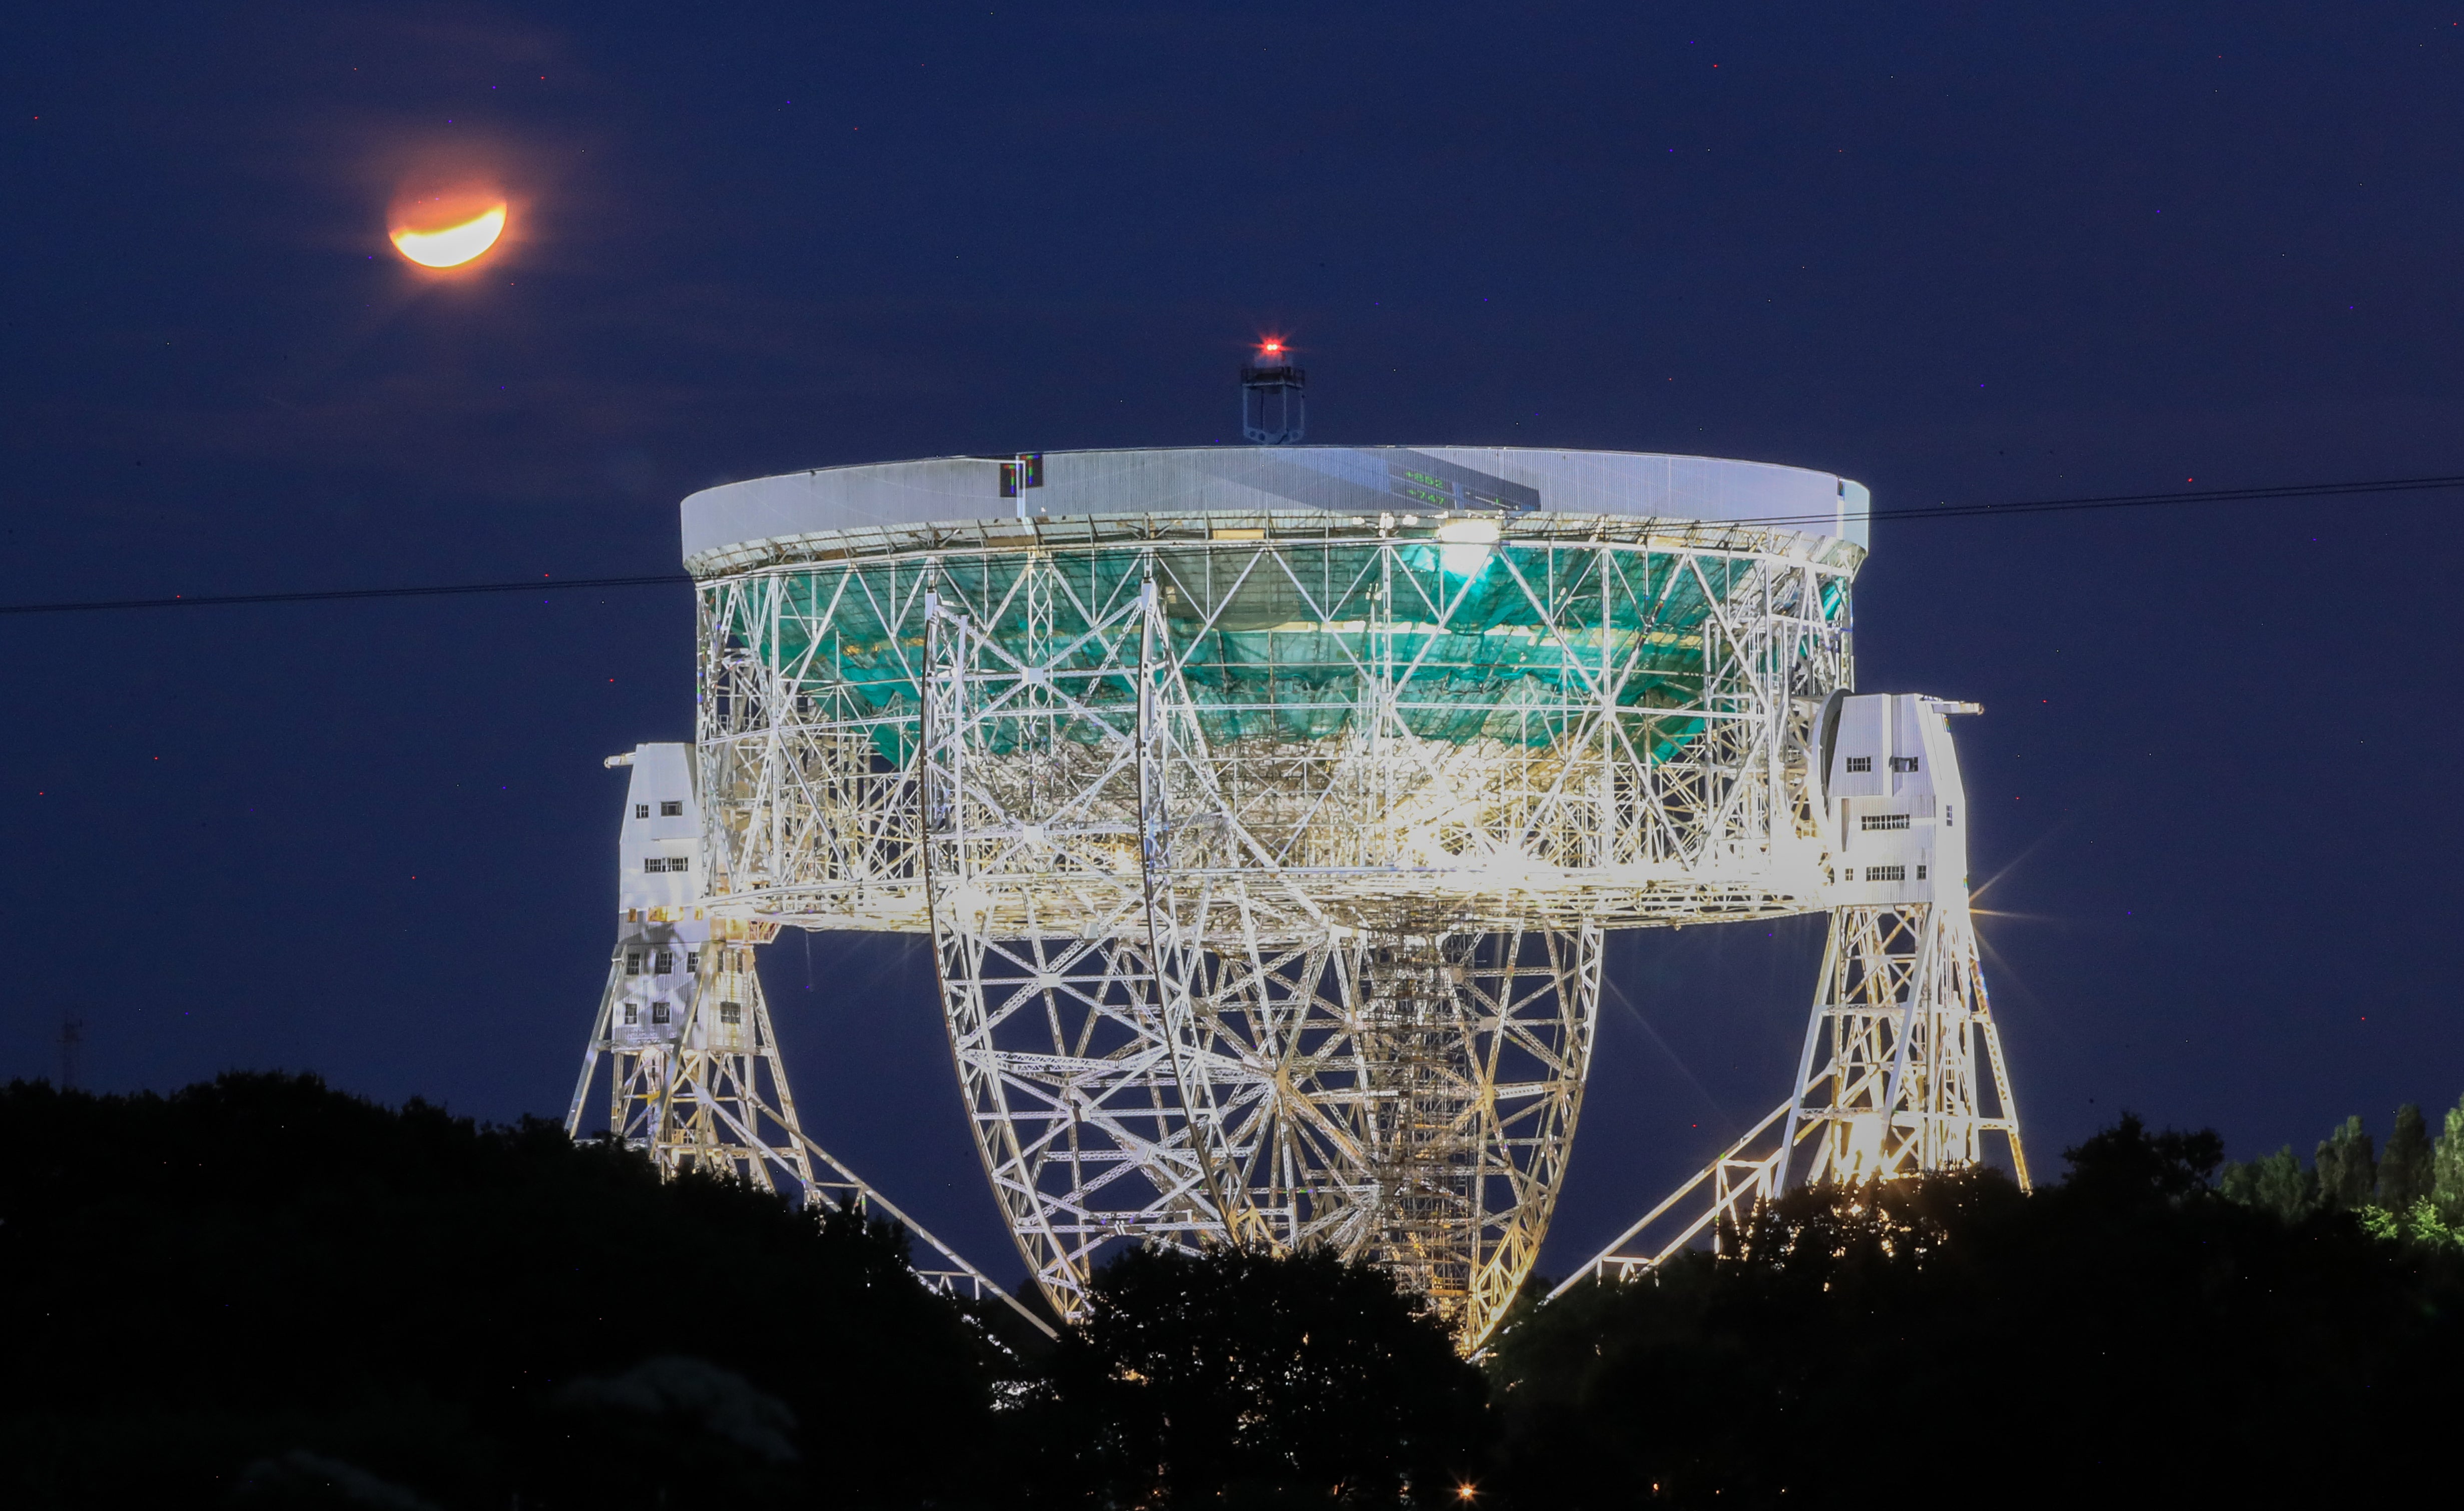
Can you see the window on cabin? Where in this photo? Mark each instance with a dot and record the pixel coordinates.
(1903, 763)
(1886, 873)
(1861, 763)
(641, 810)
(663, 963)
(632, 962)
(632, 1013)
(658, 1012)
(730, 1011)
(1883, 821)
(672, 810)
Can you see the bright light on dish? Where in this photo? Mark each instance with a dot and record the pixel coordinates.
(453, 245)
(1463, 545)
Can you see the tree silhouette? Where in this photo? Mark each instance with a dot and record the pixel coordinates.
(263, 1285)
(2129, 1167)
(2348, 1171)
(2125, 1337)
(2446, 1167)
(2276, 1184)
(2405, 1172)
(1238, 1377)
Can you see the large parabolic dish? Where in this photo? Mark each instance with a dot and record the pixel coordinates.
(1267, 806)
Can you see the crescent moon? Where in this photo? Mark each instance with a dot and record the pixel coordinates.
(453, 245)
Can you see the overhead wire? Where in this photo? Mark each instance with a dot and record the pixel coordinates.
(1919, 513)
(332, 595)
(2204, 495)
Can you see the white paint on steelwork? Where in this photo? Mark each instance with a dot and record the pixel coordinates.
(694, 1076)
(1268, 809)
(1902, 1070)
(734, 518)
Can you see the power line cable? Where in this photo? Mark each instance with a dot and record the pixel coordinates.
(2038, 506)
(2205, 495)
(332, 595)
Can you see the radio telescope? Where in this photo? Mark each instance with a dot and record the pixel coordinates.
(1268, 809)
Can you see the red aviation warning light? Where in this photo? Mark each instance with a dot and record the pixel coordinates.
(1275, 408)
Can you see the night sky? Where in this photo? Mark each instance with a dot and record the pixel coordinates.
(1960, 252)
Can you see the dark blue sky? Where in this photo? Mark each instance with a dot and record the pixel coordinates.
(1960, 252)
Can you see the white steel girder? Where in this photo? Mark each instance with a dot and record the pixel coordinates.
(1407, 1099)
(1614, 794)
(693, 1075)
(1202, 1052)
(1901, 1071)
(1267, 860)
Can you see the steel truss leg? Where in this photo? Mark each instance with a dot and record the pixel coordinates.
(705, 1090)
(1900, 1029)
(695, 1081)
(1901, 1073)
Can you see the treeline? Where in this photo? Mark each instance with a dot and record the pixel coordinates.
(2415, 1190)
(2129, 1336)
(262, 1293)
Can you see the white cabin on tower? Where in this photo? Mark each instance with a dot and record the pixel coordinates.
(1892, 798)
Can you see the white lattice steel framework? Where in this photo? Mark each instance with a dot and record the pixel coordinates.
(1903, 1068)
(694, 1078)
(1268, 851)
(1269, 857)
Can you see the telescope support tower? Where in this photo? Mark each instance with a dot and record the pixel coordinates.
(1267, 807)
(694, 1080)
(1903, 1070)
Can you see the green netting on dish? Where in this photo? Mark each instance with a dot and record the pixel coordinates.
(1272, 644)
